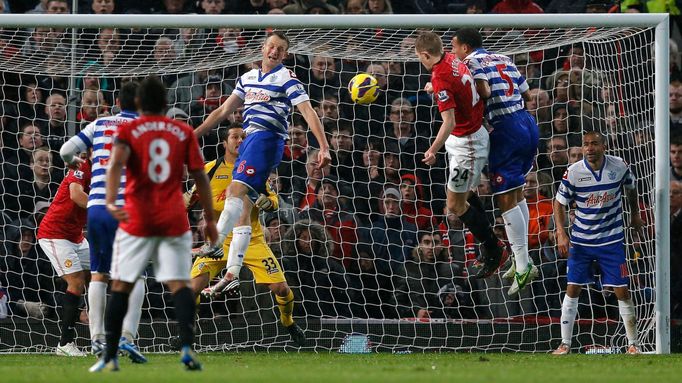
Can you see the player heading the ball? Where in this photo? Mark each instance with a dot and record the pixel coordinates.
(513, 142)
(268, 94)
(154, 149)
(465, 140)
(595, 185)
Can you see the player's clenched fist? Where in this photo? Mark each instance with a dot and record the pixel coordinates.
(264, 203)
(428, 88)
(429, 158)
(323, 158)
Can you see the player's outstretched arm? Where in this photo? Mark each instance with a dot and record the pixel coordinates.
(310, 116)
(206, 199)
(561, 237)
(77, 144)
(119, 157)
(78, 195)
(217, 116)
(442, 136)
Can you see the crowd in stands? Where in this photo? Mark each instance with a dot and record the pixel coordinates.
(367, 236)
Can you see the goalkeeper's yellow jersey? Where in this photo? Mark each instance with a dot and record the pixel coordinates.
(222, 177)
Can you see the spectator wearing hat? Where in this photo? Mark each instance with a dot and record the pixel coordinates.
(392, 236)
(412, 193)
(328, 211)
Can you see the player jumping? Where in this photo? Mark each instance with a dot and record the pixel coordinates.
(465, 140)
(153, 222)
(513, 142)
(98, 136)
(267, 95)
(258, 258)
(597, 234)
(61, 237)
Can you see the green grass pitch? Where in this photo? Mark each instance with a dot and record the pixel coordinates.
(333, 367)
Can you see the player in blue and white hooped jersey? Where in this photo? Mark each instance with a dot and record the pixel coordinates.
(595, 185)
(268, 95)
(98, 136)
(513, 142)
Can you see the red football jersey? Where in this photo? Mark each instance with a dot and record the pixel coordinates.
(159, 149)
(454, 87)
(65, 219)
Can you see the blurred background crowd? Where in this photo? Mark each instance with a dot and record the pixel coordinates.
(367, 236)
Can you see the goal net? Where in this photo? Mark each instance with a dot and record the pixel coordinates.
(400, 274)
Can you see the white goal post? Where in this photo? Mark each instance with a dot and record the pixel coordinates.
(320, 30)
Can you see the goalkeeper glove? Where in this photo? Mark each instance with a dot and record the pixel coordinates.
(264, 203)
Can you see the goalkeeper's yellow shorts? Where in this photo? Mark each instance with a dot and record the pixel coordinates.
(258, 258)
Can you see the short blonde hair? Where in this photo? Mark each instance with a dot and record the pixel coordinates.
(430, 43)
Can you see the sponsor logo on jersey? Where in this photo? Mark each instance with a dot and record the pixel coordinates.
(443, 96)
(222, 177)
(584, 179)
(256, 97)
(565, 176)
(597, 199)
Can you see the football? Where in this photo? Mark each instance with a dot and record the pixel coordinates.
(363, 88)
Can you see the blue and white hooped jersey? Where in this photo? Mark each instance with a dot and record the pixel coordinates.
(99, 135)
(597, 194)
(268, 98)
(506, 83)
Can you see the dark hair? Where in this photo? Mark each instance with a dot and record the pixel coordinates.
(225, 132)
(423, 233)
(676, 140)
(281, 35)
(151, 95)
(469, 36)
(126, 96)
(596, 133)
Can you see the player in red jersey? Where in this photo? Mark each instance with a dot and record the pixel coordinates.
(466, 142)
(153, 222)
(60, 235)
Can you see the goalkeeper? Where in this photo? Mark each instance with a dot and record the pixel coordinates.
(258, 258)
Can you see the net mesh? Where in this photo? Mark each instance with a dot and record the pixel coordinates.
(403, 280)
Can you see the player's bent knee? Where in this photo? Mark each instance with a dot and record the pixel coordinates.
(100, 277)
(281, 289)
(456, 203)
(121, 286)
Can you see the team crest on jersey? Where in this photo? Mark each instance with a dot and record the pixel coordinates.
(612, 175)
(256, 97)
(68, 263)
(78, 174)
(443, 96)
(497, 179)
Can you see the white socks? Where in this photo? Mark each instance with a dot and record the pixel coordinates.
(517, 234)
(228, 218)
(569, 309)
(97, 301)
(132, 319)
(524, 210)
(627, 312)
(241, 237)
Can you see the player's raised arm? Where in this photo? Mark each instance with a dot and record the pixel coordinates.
(219, 115)
(76, 145)
(443, 134)
(119, 157)
(311, 117)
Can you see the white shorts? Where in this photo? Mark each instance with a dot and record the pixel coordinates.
(467, 155)
(66, 257)
(170, 256)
